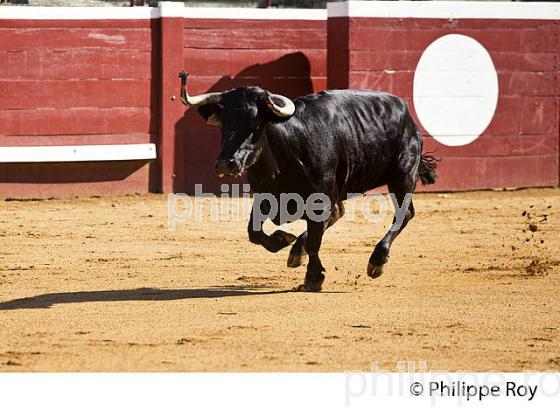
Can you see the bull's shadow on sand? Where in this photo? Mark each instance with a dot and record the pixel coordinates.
(153, 294)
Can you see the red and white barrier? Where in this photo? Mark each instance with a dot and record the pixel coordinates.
(75, 76)
(107, 76)
(481, 78)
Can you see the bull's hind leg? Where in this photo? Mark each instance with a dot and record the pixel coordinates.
(404, 212)
(272, 243)
(298, 252)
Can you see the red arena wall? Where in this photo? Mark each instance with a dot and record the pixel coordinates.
(107, 76)
(75, 82)
(383, 44)
(100, 87)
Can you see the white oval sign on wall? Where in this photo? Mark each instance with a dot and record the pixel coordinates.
(455, 89)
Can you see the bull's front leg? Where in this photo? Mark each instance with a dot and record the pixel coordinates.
(298, 253)
(314, 276)
(272, 243)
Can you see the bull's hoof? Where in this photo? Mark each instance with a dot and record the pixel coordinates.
(279, 240)
(309, 287)
(295, 260)
(374, 271)
(312, 283)
(285, 238)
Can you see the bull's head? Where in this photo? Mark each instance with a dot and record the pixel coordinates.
(242, 114)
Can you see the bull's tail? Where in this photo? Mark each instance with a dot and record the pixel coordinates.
(427, 171)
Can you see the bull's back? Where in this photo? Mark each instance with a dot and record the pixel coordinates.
(360, 134)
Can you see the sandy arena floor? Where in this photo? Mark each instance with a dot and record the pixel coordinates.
(103, 285)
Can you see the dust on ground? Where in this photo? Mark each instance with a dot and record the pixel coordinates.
(102, 284)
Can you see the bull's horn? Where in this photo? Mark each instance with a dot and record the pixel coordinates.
(286, 110)
(196, 100)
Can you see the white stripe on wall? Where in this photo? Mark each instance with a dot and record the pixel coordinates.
(77, 13)
(446, 10)
(165, 9)
(382, 9)
(78, 153)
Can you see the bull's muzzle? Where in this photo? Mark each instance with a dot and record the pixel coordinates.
(227, 167)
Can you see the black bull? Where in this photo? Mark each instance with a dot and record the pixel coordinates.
(335, 143)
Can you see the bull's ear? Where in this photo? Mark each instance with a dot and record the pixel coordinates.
(211, 113)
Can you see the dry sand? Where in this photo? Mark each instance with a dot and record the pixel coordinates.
(101, 284)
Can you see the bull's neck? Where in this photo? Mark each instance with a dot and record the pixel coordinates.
(263, 174)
